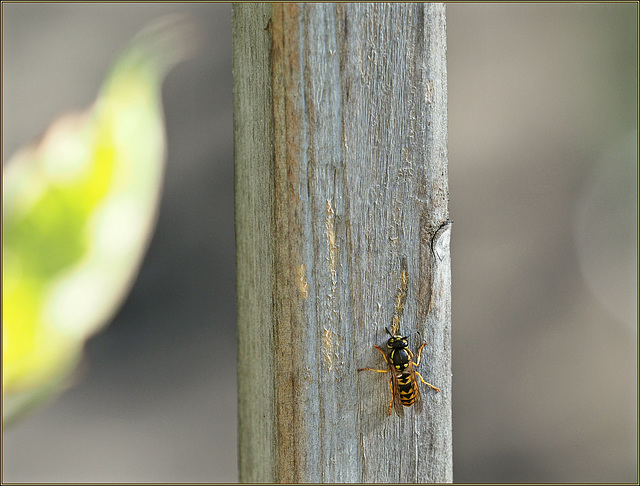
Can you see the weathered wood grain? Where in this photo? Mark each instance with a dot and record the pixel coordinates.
(341, 169)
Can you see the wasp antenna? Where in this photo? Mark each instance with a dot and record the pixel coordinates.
(388, 332)
(412, 333)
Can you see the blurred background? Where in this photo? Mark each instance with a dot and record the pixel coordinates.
(543, 183)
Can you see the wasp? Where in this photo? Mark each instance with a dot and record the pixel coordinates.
(399, 358)
(403, 383)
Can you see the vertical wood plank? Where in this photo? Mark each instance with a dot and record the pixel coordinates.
(253, 132)
(341, 170)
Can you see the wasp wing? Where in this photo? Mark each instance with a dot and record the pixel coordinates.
(395, 388)
(418, 400)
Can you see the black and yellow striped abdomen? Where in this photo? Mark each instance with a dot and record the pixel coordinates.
(407, 387)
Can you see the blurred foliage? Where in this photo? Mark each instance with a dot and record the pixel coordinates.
(79, 208)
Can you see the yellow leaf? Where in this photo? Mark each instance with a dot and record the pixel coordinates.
(78, 212)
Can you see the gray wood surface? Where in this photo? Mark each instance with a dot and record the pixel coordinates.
(341, 170)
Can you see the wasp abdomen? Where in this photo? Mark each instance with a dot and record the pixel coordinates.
(407, 388)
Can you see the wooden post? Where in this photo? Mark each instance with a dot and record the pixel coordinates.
(341, 171)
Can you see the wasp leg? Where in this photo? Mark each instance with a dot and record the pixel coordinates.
(385, 358)
(391, 402)
(419, 353)
(377, 371)
(428, 384)
(383, 353)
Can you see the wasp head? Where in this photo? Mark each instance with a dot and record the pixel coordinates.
(396, 342)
